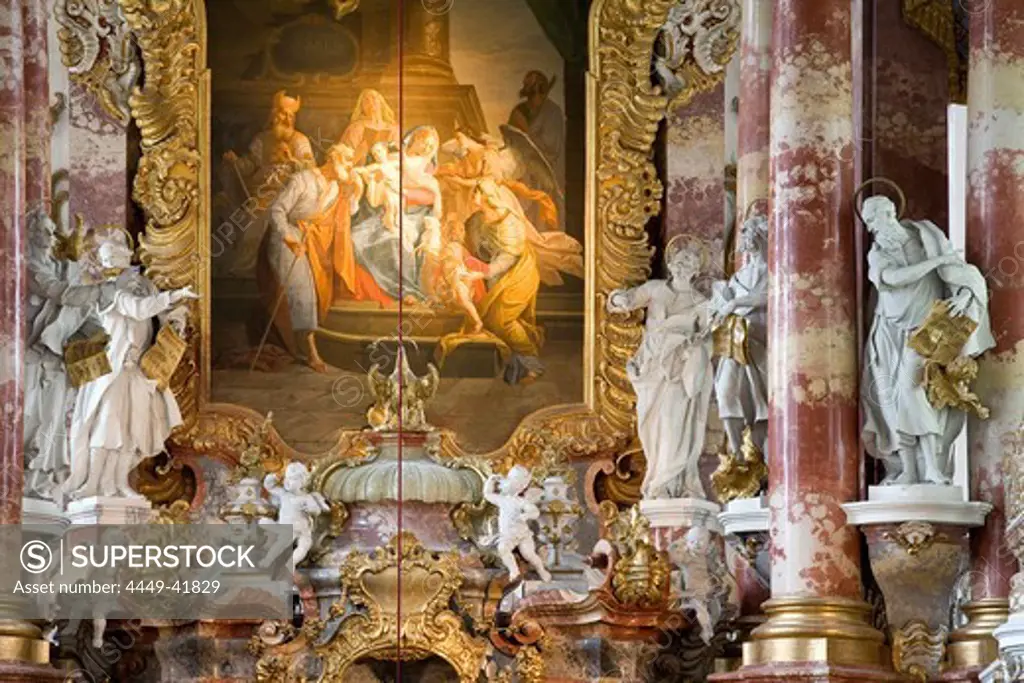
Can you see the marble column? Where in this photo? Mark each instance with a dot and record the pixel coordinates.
(12, 243)
(818, 625)
(755, 105)
(24, 183)
(995, 243)
(24, 177)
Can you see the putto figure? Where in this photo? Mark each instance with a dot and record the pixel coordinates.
(930, 322)
(516, 507)
(122, 417)
(296, 505)
(671, 373)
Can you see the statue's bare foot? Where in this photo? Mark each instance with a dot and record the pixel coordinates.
(545, 575)
(904, 479)
(317, 365)
(936, 477)
(477, 327)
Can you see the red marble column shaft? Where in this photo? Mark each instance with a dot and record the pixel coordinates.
(24, 171)
(995, 243)
(755, 105)
(813, 451)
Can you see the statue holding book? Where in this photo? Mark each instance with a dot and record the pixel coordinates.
(930, 323)
(124, 411)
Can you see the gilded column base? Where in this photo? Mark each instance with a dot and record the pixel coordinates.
(20, 640)
(973, 645)
(817, 630)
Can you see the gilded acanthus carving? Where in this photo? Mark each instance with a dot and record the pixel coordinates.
(166, 185)
(694, 46)
(917, 650)
(96, 46)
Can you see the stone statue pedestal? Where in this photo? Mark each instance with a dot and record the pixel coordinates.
(745, 522)
(918, 547)
(40, 512)
(110, 510)
(671, 518)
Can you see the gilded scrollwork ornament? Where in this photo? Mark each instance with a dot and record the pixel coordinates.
(374, 628)
(96, 45)
(695, 45)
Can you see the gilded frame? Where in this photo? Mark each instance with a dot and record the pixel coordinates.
(172, 186)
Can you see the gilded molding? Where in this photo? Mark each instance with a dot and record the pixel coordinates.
(623, 193)
(694, 46)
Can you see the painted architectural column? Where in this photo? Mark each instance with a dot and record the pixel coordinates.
(818, 625)
(755, 104)
(995, 243)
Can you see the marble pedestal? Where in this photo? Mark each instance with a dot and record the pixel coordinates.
(918, 547)
(745, 523)
(39, 512)
(108, 510)
(671, 518)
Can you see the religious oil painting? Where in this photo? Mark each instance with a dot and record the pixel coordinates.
(395, 170)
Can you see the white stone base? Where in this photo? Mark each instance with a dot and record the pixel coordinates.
(916, 503)
(110, 510)
(40, 512)
(682, 512)
(1011, 649)
(745, 516)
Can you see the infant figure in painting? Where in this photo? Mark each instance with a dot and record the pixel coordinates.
(671, 373)
(456, 279)
(122, 417)
(923, 286)
(296, 505)
(383, 184)
(516, 507)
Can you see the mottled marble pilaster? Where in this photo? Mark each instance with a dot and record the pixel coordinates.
(23, 175)
(814, 459)
(695, 164)
(908, 81)
(99, 183)
(755, 104)
(995, 243)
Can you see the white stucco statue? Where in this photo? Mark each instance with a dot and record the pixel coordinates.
(671, 373)
(121, 417)
(913, 266)
(296, 505)
(517, 506)
(48, 395)
(741, 378)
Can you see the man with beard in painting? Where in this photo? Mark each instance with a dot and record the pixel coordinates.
(255, 177)
(307, 250)
(541, 119)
